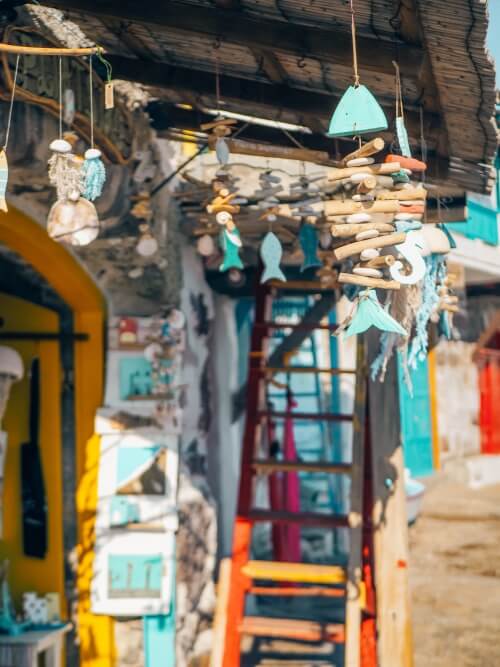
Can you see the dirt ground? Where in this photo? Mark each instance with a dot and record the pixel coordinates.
(455, 577)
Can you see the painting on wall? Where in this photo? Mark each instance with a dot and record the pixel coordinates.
(133, 577)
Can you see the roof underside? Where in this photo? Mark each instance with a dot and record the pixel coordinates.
(291, 60)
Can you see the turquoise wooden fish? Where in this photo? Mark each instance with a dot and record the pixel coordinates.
(404, 143)
(271, 253)
(4, 177)
(358, 112)
(400, 177)
(308, 239)
(230, 242)
(370, 313)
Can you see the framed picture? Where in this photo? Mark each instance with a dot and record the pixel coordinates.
(133, 577)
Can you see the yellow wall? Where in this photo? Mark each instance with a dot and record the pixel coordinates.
(34, 574)
(63, 272)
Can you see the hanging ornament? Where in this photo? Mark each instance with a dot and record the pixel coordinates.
(369, 313)
(230, 243)
(4, 167)
(358, 112)
(205, 245)
(271, 253)
(74, 222)
(94, 173)
(308, 239)
(147, 244)
(404, 143)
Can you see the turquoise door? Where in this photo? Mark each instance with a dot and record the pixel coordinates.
(416, 424)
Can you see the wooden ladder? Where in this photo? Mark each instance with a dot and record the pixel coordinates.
(253, 577)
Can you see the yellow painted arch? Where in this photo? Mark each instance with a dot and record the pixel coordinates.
(75, 286)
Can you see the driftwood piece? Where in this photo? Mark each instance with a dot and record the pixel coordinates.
(347, 230)
(366, 150)
(367, 184)
(240, 147)
(378, 283)
(417, 193)
(376, 169)
(336, 207)
(379, 242)
(379, 262)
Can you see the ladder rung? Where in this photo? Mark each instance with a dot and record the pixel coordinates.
(306, 369)
(303, 573)
(295, 592)
(298, 326)
(309, 631)
(268, 466)
(305, 518)
(316, 416)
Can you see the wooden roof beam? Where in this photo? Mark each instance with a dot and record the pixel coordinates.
(235, 26)
(277, 97)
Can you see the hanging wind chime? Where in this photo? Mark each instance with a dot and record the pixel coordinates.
(78, 182)
(4, 166)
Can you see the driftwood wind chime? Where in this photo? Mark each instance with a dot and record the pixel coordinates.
(78, 180)
(368, 217)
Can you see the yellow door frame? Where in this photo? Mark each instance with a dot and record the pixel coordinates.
(74, 285)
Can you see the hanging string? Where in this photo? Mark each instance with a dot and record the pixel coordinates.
(106, 63)
(217, 78)
(399, 92)
(91, 85)
(60, 99)
(354, 49)
(12, 95)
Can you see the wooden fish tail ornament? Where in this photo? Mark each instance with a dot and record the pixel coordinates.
(370, 313)
(271, 253)
(4, 177)
(230, 243)
(308, 238)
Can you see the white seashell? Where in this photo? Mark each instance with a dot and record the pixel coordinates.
(359, 217)
(92, 153)
(407, 171)
(369, 253)
(147, 245)
(60, 146)
(363, 197)
(403, 186)
(403, 216)
(360, 161)
(369, 234)
(223, 217)
(136, 273)
(325, 239)
(367, 272)
(358, 177)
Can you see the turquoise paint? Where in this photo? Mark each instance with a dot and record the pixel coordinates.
(135, 377)
(308, 238)
(416, 423)
(370, 313)
(131, 573)
(271, 253)
(159, 634)
(230, 243)
(482, 223)
(358, 112)
(131, 460)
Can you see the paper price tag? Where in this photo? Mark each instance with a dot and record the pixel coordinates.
(109, 95)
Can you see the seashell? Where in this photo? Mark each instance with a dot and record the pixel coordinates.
(407, 171)
(60, 146)
(369, 234)
(358, 177)
(367, 272)
(325, 239)
(363, 197)
(147, 245)
(369, 253)
(360, 161)
(359, 217)
(403, 216)
(92, 153)
(436, 240)
(223, 217)
(403, 186)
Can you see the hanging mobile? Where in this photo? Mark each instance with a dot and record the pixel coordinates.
(358, 112)
(94, 173)
(4, 167)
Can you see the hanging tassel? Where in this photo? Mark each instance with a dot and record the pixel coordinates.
(65, 171)
(369, 313)
(94, 174)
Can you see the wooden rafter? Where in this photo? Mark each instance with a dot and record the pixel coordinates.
(330, 44)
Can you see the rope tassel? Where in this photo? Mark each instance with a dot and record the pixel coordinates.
(94, 174)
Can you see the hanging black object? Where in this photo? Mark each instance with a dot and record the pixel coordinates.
(34, 501)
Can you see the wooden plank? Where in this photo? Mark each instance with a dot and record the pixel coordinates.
(242, 147)
(330, 43)
(268, 466)
(303, 573)
(354, 567)
(295, 592)
(303, 518)
(220, 619)
(262, 626)
(389, 518)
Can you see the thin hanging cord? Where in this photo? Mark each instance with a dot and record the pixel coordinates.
(60, 99)
(9, 118)
(354, 49)
(217, 77)
(91, 84)
(399, 92)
